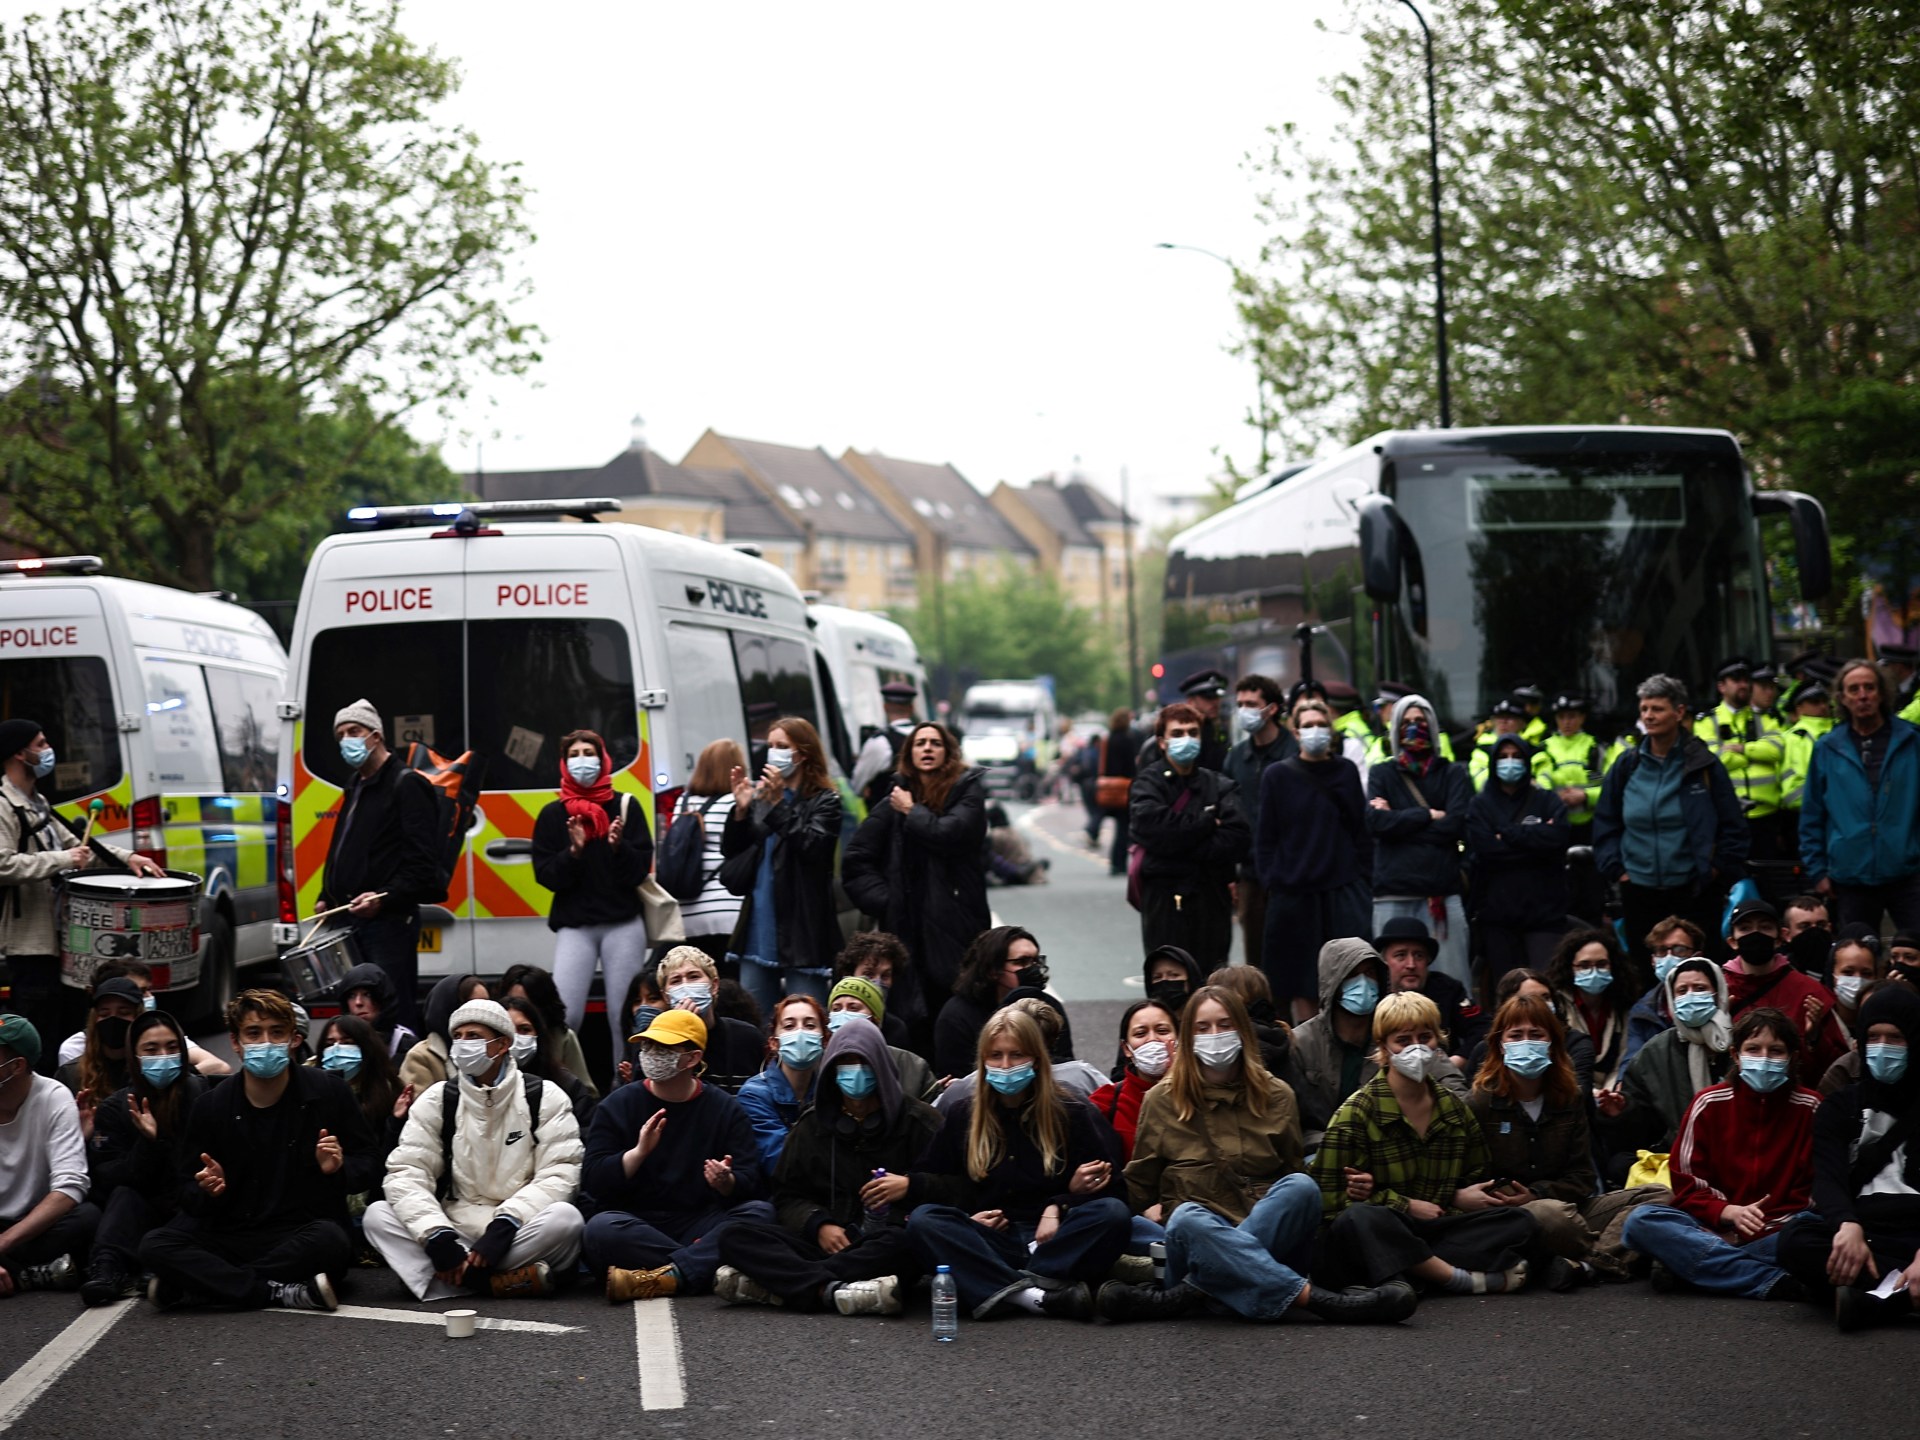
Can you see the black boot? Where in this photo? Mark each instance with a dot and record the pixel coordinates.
(1072, 1301)
(1383, 1305)
(1118, 1301)
(106, 1282)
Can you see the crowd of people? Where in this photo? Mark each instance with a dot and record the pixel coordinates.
(1433, 1076)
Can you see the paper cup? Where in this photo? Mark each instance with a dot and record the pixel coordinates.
(460, 1324)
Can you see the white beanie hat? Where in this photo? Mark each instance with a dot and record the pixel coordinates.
(360, 712)
(489, 1013)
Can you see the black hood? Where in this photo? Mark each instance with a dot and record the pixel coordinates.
(442, 1001)
(1195, 977)
(372, 977)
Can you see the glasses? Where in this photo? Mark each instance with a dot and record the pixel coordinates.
(1676, 952)
(1025, 962)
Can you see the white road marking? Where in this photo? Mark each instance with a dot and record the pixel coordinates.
(663, 1379)
(56, 1357)
(435, 1318)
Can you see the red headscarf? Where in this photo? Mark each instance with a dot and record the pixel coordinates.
(589, 802)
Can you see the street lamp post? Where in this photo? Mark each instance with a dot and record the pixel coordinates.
(1439, 257)
(1259, 372)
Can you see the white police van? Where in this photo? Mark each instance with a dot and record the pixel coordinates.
(860, 652)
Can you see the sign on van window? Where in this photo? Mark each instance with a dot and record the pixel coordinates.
(180, 723)
(523, 746)
(413, 730)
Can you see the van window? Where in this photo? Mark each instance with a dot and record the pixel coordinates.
(180, 723)
(411, 672)
(531, 681)
(705, 698)
(72, 696)
(246, 729)
(775, 679)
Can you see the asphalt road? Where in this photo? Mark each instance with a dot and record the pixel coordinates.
(1602, 1363)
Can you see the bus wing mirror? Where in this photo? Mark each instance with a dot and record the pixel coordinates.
(1379, 547)
(1811, 552)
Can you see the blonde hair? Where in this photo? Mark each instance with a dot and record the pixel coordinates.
(682, 955)
(1044, 1116)
(1184, 1080)
(1404, 1010)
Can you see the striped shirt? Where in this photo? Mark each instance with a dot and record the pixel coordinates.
(716, 909)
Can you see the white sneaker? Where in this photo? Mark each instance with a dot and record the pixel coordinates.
(868, 1297)
(738, 1288)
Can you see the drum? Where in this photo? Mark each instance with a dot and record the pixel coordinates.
(315, 969)
(113, 915)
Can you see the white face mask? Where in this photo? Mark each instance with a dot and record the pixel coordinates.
(585, 769)
(698, 991)
(1152, 1057)
(524, 1047)
(659, 1064)
(1220, 1048)
(1413, 1062)
(1848, 988)
(1316, 740)
(470, 1057)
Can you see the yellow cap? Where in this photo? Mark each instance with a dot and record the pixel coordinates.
(677, 1027)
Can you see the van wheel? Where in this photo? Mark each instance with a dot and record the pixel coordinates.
(218, 982)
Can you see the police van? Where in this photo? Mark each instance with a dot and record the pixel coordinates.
(161, 704)
(860, 652)
(498, 627)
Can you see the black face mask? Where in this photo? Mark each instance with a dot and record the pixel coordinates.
(1756, 949)
(1034, 977)
(1809, 950)
(111, 1031)
(1172, 994)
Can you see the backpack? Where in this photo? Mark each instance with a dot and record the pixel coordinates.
(456, 792)
(679, 863)
(450, 1113)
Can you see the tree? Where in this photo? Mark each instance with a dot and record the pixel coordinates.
(235, 250)
(1661, 212)
(1012, 624)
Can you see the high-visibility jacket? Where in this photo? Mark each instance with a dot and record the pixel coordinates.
(1799, 739)
(1912, 713)
(1534, 732)
(1576, 759)
(1480, 763)
(1717, 723)
(1355, 724)
(1754, 751)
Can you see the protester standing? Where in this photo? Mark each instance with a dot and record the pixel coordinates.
(1517, 838)
(1264, 741)
(1417, 814)
(1186, 820)
(1860, 809)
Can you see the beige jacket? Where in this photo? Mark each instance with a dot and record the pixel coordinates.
(26, 896)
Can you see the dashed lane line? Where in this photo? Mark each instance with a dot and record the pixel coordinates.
(663, 1378)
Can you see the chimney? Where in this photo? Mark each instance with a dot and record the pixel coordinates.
(637, 439)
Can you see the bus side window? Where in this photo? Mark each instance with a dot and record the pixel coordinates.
(246, 728)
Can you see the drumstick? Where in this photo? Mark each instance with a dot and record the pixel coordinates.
(326, 915)
(93, 814)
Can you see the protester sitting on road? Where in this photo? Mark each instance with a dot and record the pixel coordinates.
(468, 1206)
(533, 1053)
(1596, 987)
(997, 962)
(1866, 1175)
(103, 1064)
(351, 1049)
(669, 1161)
(430, 1062)
(1759, 975)
(531, 983)
(46, 1220)
(205, 1062)
(1186, 821)
(918, 866)
(1671, 941)
(1171, 976)
(1074, 1077)
(1533, 984)
(1903, 958)
(777, 1096)
(1647, 1110)
(852, 995)
(1404, 1176)
(1333, 1052)
(1021, 1164)
(1149, 1034)
(1407, 947)
(278, 1149)
(1274, 1035)
(1742, 1168)
(643, 1001)
(1218, 1154)
(734, 1050)
(367, 991)
(136, 1152)
(840, 1194)
(1852, 966)
(876, 956)
(1417, 815)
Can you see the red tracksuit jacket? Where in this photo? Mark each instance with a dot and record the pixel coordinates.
(1737, 1146)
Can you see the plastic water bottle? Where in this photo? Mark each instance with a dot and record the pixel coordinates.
(878, 1213)
(946, 1307)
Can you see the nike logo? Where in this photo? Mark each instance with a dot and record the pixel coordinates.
(515, 1135)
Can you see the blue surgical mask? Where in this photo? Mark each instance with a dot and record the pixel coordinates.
(162, 1070)
(1593, 981)
(801, 1048)
(839, 1018)
(855, 1081)
(1886, 1063)
(699, 991)
(1359, 995)
(354, 751)
(1184, 749)
(263, 1062)
(585, 769)
(1526, 1058)
(1316, 740)
(1665, 965)
(1013, 1081)
(780, 758)
(1251, 720)
(1511, 769)
(147, 1002)
(43, 763)
(343, 1059)
(1696, 1007)
(1763, 1074)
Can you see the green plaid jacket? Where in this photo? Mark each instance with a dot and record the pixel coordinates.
(1370, 1134)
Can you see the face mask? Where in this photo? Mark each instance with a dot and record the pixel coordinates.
(1184, 749)
(1010, 1082)
(1526, 1058)
(524, 1048)
(1511, 769)
(839, 1018)
(1359, 995)
(43, 764)
(1218, 1049)
(699, 991)
(1696, 1007)
(1251, 721)
(343, 1059)
(1886, 1063)
(147, 1002)
(1665, 965)
(263, 1062)
(1152, 1057)
(1593, 982)
(470, 1057)
(1809, 949)
(353, 750)
(1763, 1074)
(1848, 988)
(1756, 949)
(1169, 994)
(1316, 740)
(585, 769)
(111, 1031)
(1413, 1061)
(801, 1048)
(659, 1064)
(162, 1070)
(1414, 735)
(856, 1081)
(780, 759)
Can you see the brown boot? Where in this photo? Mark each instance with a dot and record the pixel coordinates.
(641, 1284)
(518, 1284)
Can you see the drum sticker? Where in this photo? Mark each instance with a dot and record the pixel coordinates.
(523, 746)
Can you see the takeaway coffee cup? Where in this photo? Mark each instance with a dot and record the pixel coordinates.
(460, 1324)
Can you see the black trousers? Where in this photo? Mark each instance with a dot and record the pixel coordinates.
(71, 1234)
(1864, 904)
(125, 1221)
(1370, 1244)
(1504, 948)
(794, 1268)
(393, 943)
(1807, 1241)
(232, 1267)
(1195, 915)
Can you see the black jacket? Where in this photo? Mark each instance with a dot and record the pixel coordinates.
(400, 1038)
(1313, 826)
(921, 876)
(120, 1155)
(1019, 1185)
(1463, 1020)
(809, 831)
(384, 839)
(1517, 845)
(285, 1189)
(1413, 853)
(1204, 843)
(956, 1035)
(597, 886)
(828, 1158)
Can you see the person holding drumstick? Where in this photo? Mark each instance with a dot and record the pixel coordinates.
(35, 846)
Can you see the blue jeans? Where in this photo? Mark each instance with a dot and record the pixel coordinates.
(625, 1241)
(1453, 958)
(1241, 1265)
(1702, 1258)
(985, 1262)
(767, 983)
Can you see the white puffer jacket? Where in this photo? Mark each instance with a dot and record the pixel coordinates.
(498, 1168)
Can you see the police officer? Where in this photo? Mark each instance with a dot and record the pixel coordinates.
(1203, 690)
(1734, 681)
(1812, 718)
(1750, 744)
(1506, 718)
(1530, 698)
(1898, 661)
(35, 846)
(1764, 698)
(879, 757)
(1570, 763)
